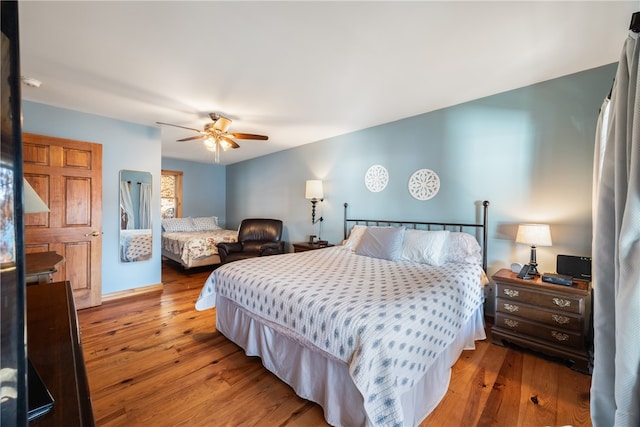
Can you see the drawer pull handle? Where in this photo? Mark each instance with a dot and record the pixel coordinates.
(559, 336)
(561, 302)
(511, 292)
(560, 319)
(511, 307)
(511, 323)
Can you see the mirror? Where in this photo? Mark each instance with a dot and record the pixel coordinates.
(136, 235)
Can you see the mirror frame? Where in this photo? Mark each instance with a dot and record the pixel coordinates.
(135, 244)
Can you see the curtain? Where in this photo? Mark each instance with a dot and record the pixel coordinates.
(615, 386)
(126, 204)
(145, 206)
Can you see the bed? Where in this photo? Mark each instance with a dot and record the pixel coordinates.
(370, 336)
(135, 245)
(192, 242)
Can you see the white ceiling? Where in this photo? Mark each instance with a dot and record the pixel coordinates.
(301, 71)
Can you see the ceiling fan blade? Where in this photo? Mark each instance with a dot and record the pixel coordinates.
(191, 138)
(178, 126)
(230, 141)
(249, 136)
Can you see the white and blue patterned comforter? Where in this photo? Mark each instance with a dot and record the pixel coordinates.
(387, 320)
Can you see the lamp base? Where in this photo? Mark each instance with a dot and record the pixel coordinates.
(533, 263)
(533, 270)
(313, 211)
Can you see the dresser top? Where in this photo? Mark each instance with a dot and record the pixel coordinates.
(507, 276)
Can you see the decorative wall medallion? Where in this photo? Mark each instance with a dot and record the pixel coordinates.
(424, 184)
(376, 178)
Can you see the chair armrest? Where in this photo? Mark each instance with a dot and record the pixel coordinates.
(272, 248)
(228, 248)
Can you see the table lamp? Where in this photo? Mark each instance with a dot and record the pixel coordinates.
(534, 235)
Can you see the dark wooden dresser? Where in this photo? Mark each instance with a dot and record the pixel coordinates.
(55, 350)
(552, 319)
(308, 246)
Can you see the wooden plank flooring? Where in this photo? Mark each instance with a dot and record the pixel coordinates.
(153, 360)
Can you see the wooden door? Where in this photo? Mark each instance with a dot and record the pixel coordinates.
(67, 175)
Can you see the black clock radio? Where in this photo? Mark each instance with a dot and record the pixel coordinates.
(578, 267)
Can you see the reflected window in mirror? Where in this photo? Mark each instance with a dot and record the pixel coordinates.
(171, 194)
(136, 229)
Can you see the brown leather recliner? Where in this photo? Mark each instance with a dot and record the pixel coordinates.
(256, 237)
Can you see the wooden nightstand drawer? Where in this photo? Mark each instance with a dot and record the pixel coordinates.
(558, 336)
(553, 318)
(566, 303)
(549, 318)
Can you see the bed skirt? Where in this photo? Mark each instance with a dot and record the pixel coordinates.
(196, 262)
(319, 378)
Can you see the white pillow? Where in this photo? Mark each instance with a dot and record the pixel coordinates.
(206, 223)
(381, 242)
(463, 247)
(178, 224)
(354, 237)
(425, 247)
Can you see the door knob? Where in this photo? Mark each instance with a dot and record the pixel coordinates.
(93, 234)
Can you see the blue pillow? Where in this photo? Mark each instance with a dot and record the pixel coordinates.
(381, 242)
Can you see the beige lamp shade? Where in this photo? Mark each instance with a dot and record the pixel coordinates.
(534, 234)
(32, 202)
(313, 190)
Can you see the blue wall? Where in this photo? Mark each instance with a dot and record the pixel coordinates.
(528, 151)
(203, 188)
(124, 146)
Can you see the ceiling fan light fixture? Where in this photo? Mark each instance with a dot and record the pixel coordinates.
(210, 144)
(222, 124)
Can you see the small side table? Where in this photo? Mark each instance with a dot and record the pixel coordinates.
(552, 319)
(40, 266)
(307, 246)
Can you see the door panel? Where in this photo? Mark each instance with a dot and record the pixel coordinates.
(67, 175)
(77, 215)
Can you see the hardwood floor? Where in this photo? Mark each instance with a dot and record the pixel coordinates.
(154, 360)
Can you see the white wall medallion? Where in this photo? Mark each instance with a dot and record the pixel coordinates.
(424, 184)
(376, 178)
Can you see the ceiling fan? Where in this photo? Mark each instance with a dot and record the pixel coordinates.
(215, 135)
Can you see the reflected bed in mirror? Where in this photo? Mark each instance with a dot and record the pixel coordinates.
(136, 236)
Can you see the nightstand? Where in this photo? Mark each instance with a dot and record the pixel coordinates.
(40, 266)
(306, 246)
(552, 319)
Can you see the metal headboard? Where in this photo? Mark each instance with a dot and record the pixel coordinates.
(420, 225)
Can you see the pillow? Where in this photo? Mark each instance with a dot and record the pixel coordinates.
(206, 223)
(354, 237)
(425, 247)
(178, 224)
(463, 247)
(381, 242)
